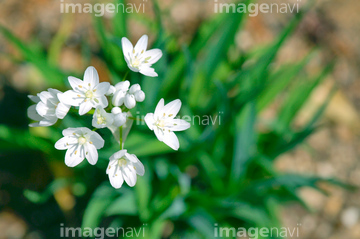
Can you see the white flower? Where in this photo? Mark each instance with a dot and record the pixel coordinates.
(80, 143)
(163, 122)
(138, 58)
(124, 166)
(118, 116)
(48, 108)
(86, 94)
(126, 96)
(101, 118)
(121, 89)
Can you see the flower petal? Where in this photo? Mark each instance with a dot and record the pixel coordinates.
(171, 140)
(34, 98)
(62, 143)
(118, 98)
(149, 120)
(76, 83)
(85, 107)
(91, 154)
(96, 139)
(61, 110)
(116, 179)
(102, 88)
(159, 108)
(102, 101)
(172, 109)
(146, 70)
(47, 98)
(159, 133)
(71, 97)
(131, 157)
(139, 168)
(179, 125)
(36, 124)
(119, 154)
(129, 175)
(32, 113)
(42, 109)
(127, 48)
(91, 77)
(47, 122)
(70, 131)
(123, 85)
(71, 159)
(111, 91)
(141, 45)
(152, 56)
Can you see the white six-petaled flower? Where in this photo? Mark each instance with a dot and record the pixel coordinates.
(86, 94)
(124, 166)
(48, 108)
(80, 143)
(138, 58)
(163, 122)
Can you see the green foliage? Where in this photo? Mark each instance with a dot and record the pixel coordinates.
(223, 172)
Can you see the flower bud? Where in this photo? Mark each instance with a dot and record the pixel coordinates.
(123, 85)
(116, 110)
(134, 88)
(130, 101)
(139, 96)
(118, 98)
(119, 119)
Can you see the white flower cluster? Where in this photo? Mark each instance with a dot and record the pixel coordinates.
(90, 96)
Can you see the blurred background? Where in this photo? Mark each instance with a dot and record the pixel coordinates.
(287, 151)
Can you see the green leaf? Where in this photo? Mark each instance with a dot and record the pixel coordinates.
(123, 205)
(53, 75)
(143, 192)
(37, 197)
(244, 144)
(24, 139)
(101, 199)
(279, 80)
(120, 21)
(221, 42)
(203, 223)
(297, 97)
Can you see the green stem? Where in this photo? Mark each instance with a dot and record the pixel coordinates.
(125, 75)
(134, 118)
(121, 137)
(91, 112)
